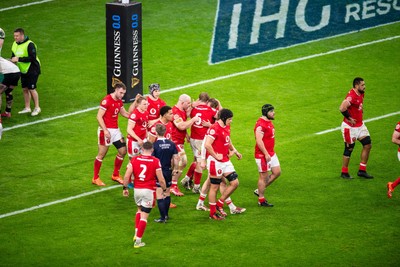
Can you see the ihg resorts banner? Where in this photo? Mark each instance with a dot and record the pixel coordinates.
(124, 47)
(248, 27)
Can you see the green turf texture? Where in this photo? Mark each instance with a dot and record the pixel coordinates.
(319, 219)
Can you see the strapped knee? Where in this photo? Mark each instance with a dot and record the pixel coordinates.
(215, 180)
(120, 143)
(9, 97)
(144, 209)
(348, 149)
(366, 140)
(232, 176)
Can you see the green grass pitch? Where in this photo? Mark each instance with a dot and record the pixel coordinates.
(319, 219)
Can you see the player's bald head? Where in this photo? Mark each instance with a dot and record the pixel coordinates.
(184, 98)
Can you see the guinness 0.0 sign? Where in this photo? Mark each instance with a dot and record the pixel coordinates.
(124, 47)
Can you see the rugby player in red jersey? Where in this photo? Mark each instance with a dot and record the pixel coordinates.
(219, 148)
(353, 128)
(109, 134)
(166, 117)
(146, 171)
(198, 131)
(155, 102)
(137, 127)
(264, 153)
(180, 125)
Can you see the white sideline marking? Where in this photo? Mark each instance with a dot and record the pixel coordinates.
(58, 201)
(368, 120)
(192, 85)
(225, 77)
(49, 119)
(24, 5)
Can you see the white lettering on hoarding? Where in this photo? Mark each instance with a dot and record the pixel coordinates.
(369, 9)
(301, 17)
(281, 17)
(235, 21)
(135, 48)
(117, 53)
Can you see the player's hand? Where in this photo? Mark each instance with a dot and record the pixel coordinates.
(238, 155)
(107, 135)
(125, 193)
(140, 142)
(267, 158)
(352, 121)
(218, 156)
(206, 124)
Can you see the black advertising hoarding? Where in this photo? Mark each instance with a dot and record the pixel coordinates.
(124, 47)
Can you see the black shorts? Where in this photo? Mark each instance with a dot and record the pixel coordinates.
(29, 80)
(168, 178)
(11, 79)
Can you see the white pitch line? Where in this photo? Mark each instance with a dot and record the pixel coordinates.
(24, 5)
(367, 120)
(58, 201)
(226, 77)
(49, 119)
(192, 85)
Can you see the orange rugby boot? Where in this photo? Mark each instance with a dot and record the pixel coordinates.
(117, 179)
(98, 182)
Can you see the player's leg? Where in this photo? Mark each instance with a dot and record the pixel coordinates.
(161, 204)
(275, 170)
(348, 149)
(391, 186)
(33, 78)
(9, 102)
(144, 215)
(203, 194)
(120, 145)
(178, 171)
(188, 179)
(197, 175)
(102, 152)
(262, 167)
(212, 198)
(164, 198)
(144, 199)
(2, 89)
(232, 177)
(11, 81)
(233, 184)
(348, 134)
(27, 101)
(366, 143)
(35, 98)
(261, 185)
(214, 168)
(198, 172)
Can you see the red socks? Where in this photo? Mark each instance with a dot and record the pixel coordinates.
(117, 165)
(97, 166)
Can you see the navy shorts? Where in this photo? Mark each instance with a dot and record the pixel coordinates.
(168, 178)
